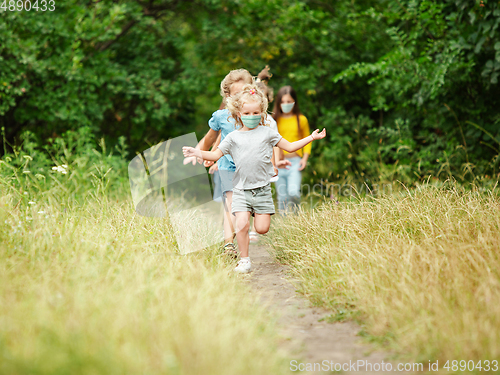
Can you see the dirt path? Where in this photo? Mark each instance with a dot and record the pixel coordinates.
(308, 339)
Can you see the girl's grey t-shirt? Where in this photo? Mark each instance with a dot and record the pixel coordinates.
(252, 152)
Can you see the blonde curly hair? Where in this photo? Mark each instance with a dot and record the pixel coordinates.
(237, 75)
(249, 93)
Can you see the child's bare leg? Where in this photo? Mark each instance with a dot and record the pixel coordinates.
(242, 225)
(262, 222)
(253, 233)
(228, 218)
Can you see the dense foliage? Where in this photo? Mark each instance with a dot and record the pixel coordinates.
(112, 66)
(405, 88)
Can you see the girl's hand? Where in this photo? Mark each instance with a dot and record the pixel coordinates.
(316, 135)
(190, 152)
(213, 168)
(283, 163)
(302, 164)
(208, 163)
(275, 171)
(192, 160)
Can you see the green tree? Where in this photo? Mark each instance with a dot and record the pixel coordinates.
(116, 67)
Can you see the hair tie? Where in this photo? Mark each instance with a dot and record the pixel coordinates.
(252, 92)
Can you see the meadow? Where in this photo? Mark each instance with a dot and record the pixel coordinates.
(405, 89)
(419, 269)
(87, 286)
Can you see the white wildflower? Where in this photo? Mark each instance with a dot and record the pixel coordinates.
(31, 202)
(61, 169)
(41, 212)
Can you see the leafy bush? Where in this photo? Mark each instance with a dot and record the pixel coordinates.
(66, 167)
(406, 88)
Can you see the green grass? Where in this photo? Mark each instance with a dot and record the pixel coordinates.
(419, 269)
(93, 288)
(87, 286)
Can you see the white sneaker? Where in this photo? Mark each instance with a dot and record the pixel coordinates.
(244, 266)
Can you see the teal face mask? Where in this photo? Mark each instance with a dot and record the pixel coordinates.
(287, 107)
(251, 121)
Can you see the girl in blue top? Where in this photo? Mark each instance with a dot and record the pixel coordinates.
(222, 122)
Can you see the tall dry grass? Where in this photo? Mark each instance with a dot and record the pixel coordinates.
(93, 288)
(421, 269)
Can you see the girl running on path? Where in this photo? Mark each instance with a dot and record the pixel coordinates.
(293, 126)
(262, 83)
(251, 148)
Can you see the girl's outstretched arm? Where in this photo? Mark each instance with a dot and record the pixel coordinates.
(205, 155)
(193, 159)
(204, 145)
(297, 145)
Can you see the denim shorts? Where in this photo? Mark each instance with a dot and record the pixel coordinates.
(255, 201)
(216, 185)
(226, 180)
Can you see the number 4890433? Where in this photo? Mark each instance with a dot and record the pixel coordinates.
(28, 5)
(471, 365)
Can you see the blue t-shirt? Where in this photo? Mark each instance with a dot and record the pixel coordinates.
(221, 120)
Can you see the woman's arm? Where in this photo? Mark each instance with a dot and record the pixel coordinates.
(205, 155)
(297, 145)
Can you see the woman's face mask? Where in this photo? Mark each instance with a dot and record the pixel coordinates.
(287, 107)
(251, 121)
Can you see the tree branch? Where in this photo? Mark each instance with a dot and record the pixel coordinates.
(324, 5)
(149, 11)
(126, 28)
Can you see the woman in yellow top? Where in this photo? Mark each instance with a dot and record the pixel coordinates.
(292, 125)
